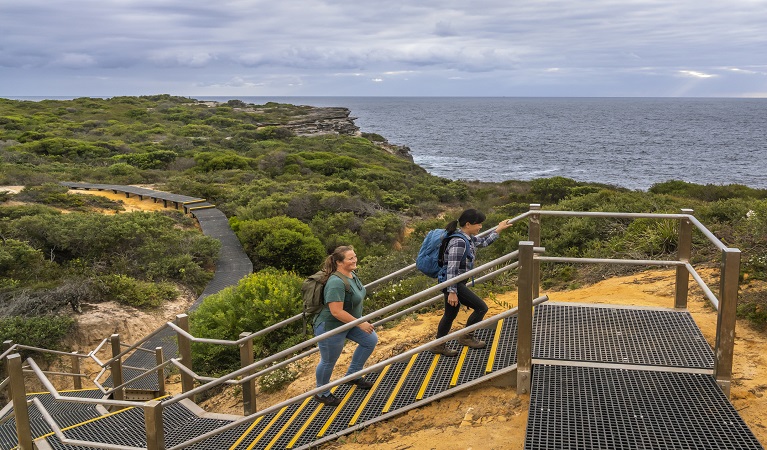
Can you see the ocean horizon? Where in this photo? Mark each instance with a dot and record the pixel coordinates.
(629, 142)
(626, 142)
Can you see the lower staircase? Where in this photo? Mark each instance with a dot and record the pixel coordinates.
(603, 378)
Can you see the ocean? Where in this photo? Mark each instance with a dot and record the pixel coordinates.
(628, 142)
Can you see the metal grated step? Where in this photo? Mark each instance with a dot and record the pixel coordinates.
(601, 408)
(125, 427)
(64, 413)
(667, 338)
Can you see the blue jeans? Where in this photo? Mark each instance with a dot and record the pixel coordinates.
(331, 348)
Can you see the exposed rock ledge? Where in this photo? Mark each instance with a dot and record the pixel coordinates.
(332, 120)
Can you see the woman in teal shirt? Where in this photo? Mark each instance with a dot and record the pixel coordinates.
(342, 305)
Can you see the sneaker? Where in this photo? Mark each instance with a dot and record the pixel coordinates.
(361, 383)
(330, 399)
(469, 341)
(442, 349)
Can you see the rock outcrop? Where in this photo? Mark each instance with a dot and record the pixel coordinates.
(330, 120)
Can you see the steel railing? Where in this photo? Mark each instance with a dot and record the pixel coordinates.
(725, 303)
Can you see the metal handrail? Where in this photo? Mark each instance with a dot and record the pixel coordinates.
(378, 366)
(14, 347)
(615, 215)
(703, 286)
(288, 352)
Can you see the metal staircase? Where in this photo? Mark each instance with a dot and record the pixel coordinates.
(597, 377)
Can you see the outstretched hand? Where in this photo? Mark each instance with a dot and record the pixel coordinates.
(502, 226)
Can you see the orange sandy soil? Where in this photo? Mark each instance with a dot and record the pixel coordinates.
(482, 417)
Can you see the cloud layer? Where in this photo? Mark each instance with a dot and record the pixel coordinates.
(332, 47)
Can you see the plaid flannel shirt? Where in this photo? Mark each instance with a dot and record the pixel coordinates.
(454, 254)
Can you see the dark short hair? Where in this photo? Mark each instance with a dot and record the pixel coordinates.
(471, 216)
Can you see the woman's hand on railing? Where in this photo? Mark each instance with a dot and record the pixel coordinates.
(367, 327)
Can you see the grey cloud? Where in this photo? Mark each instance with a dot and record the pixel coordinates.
(483, 45)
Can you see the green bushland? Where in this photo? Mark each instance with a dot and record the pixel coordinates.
(291, 199)
(46, 331)
(258, 301)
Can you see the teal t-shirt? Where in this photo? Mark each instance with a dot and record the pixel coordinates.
(335, 291)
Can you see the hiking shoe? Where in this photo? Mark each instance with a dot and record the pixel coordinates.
(330, 399)
(469, 341)
(442, 349)
(361, 383)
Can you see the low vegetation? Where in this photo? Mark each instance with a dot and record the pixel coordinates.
(290, 200)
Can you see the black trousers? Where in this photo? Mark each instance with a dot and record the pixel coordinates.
(466, 298)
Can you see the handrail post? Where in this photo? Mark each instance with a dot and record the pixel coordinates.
(683, 251)
(185, 350)
(155, 434)
(249, 387)
(524, 316)
(159, 359)
(117, 368)
(77, 382)
(534, 235)
(20, 411)
(725, 324)
(4, 371)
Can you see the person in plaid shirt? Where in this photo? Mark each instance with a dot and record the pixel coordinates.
(459, 259)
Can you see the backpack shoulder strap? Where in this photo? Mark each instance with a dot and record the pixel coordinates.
(347, 287)
(446, 241)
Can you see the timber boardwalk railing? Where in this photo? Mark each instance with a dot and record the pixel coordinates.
(597, 377)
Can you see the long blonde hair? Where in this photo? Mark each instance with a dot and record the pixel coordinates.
(331, 262)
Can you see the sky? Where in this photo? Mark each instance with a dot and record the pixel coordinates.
(515, 48)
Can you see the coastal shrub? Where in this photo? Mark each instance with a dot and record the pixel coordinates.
(327, 163)
(67, 149)
(47, 331)
(129, 291)
(730, 210)
(157, 159)
(215, 161)
(273, 133)
(381, 228)
(197, 130)
(19, 261)
(258, 301)
(551, 190)
(708, 192)
(281, 242)
(141, 245)
(374, 137)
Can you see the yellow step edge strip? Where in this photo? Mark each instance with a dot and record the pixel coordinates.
(246, 433)
(95, 418)
(288, 424)
(266, 428)
(426, 380)
(338, 409)
(494, 348)
(303, 428)
(459, 366)
(399, 384)
(364, 403)
(86, 422)
(63, 390)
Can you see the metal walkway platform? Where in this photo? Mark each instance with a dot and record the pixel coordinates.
(608, 377)
(592, 388)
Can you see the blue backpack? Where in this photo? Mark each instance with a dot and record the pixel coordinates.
(429, 259)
